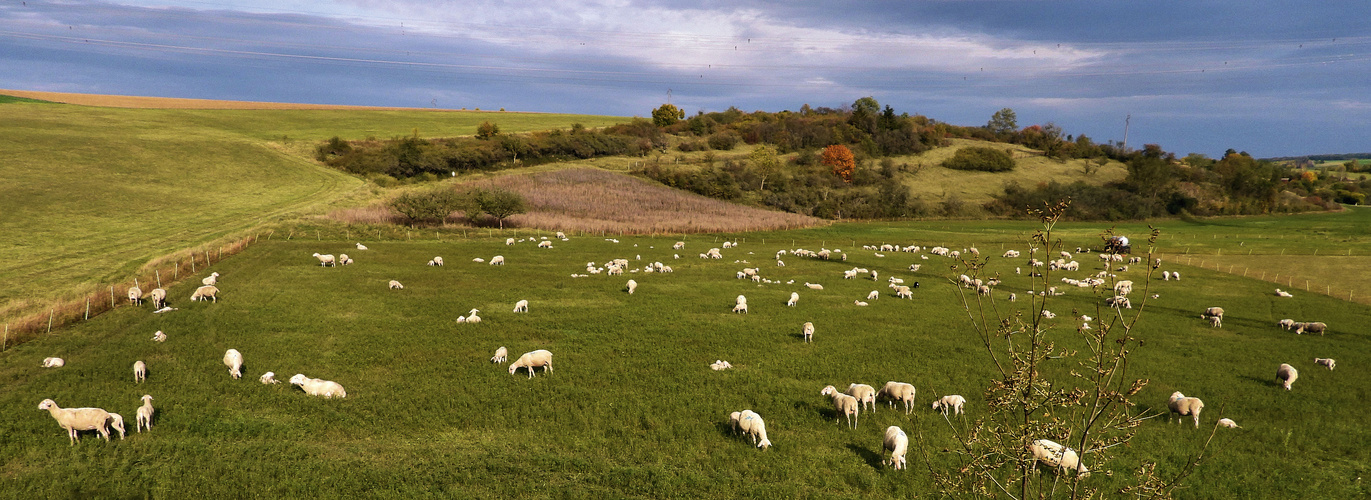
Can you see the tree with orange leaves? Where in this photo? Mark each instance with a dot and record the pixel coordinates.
(840, 159)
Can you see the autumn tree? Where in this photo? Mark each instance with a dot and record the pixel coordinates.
(667, 115)
(840, 159)
(487, 130)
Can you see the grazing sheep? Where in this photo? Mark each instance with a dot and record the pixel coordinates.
(116, 422)
(897, 443)
(1229, 423)
(213, 278)
(545, 244)
(395, 285)
(1286, 323)
(509, 241)
(904, 292)
(472, 317)
(158, 336)
(1314, 327)
(500, 356)
(794, 298)
(205, 292)
(361, 246)
(846, 405)
(1013, 297)
(1216, 312)
(268, 378)
(807, 331)
(144, 414)
(680, 245)
(1118, 301)
(140, 371)
(898, 391)
(498, 260)
(753, 425)
(1056, 455)
(561, 236)
(865, 394)
(326, 259)
(521, 306)
(531, 360)
(780, 263)
(319, 387)
(1329, 362)
(77, 419)
(720, 364)
(234, 361)
(136, 295)
(632, 285)
(740, 305)
(53, 362)
(1176, 275)
(1287, 375)
(1166, 275)
(873, 295)
(159, 298)
(1182, 406)
(953, 403)
(437, 261)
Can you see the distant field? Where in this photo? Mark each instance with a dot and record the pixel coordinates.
(935, 183)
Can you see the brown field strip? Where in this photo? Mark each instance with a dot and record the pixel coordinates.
(126, 101)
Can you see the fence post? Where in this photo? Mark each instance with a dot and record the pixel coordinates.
(111, 297)
(51, 312)
(87, 308)
(159, 277)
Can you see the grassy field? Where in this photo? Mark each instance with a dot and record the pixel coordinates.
(631, 409)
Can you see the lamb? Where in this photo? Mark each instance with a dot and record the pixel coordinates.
(1315, 327)
(326, 259)
(395, 285)
(140, 371)
(509, 241)
(632, 286)
(1125, 287)
(159, 298)
(865, 394)
(1056, 455)
(846, 405)
(1287, 375)
(859, 303)
(794, 298)
(807, 331)
(437, 261)
(720, 364)
(344, 260)
(158, 336)
(1118, 301)
(319, 387)
(521, 306)
(1166, 275)
(144, 414)
(1229, 423)
(1286, 323)
(498, 260)
(1182, 406)
(752, 424)
(77, 419)
(205, 292)
(1329, 362)
(904, 292)
(500, 356)
(531, 360)
(545, 244)
(898, 391)
(361, 246)
(873, 295)
(740, 305)
(136, 295)
(268, 378)
(1011, 254)
(53, 363)
(116, 422)
(234, 361)
(780, 263)
(561, 236)
(953, 402)
(472, 317)
(213, 278)
(814, 286)
(680, 245)
(1216, 312)
(897, 443)
(1176, 275)
(1215, 321)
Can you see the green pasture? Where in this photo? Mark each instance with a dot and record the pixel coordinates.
(631, 409)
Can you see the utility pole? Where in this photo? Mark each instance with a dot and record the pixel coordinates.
(668, 96)
(1126, 119)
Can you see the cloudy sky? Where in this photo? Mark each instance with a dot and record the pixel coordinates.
(1270, 78)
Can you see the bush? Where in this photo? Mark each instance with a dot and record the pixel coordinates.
(980, 158)
(487, 130)
(724, 141)
(427, 206)
(497, 203)
(689, 146)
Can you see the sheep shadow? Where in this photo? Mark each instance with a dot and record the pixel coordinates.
(875, 460)
(1269, 382)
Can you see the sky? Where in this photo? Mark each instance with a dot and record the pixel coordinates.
(1197, 76)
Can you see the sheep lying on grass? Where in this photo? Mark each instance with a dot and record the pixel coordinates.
(268, 378)
(1229, 423)
(213, 278)
(531, 360)
(897, 443)
(1056, 455)
(116, 422)
(952, 402)
(326, 259)
(144, 414)
(54, 362)
(158, 336)
(140, 371)
(361, 246)
(344, 260)
(814, 286)
(898, 391)
(751, 423)
(207, 292)
(500, 356)
(521, 306)
(720, 364)
(319, 387)
(1182, 406)
(509, 241)
(1287, 375)
(77, 419)
(234, 361)
(1326, 362)
(859, 303)
(1283, 293)
(846, 405)
(395, 285)
(472, 317)
(158, 297)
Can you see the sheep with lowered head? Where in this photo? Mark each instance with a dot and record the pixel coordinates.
(395, 285)
(234, 361)
(531, 360)
(319, 387)
(1312, 327)
(136, 295)
(116, 422)
(897, 443)
(807, 331)
(794, 299)
(952, 402)
(521, 306)
(77, 419)
(1326, 362)
(1056, 455)
(1182, 406)
(498, 260)
(740, 305)
(268, 378)
(158, 297)
(865, 394)
(898, 391)
(751, 423)
(500, 356)
(1287, 375)
(436, 261)
(632, 286)
(207, 292)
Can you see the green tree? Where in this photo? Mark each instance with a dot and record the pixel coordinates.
(765, 162)
(667, 115)
(1003, 121)
(865, 112)
(867, 106)
(498, 203)
(427, 206)
(487, 130)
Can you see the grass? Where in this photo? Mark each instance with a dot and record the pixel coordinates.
(631, 410)
(934, 183)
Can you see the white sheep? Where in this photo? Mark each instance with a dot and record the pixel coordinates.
(509, 241)
(898, 391)
(344, 260)
(1283, 293)
(953, 403)
(814, 286)
(794, 299)
(319, 387)
(268, 378)
(780, 263)
(1286, 323)
(1214, 312)
(720, 364)
(1176, 275)
(859, 303)
(1329, 362)
(680, 245)
(632, 286)
(740, 305)
(1215, 321)
(116, 422)
(234, 361)
(207, 292)
(751, 423)
(1166, 275)
(1229, 423)
(807, 331)
(897, 443)
(158, 297)
(1182, 406)
(213, 278)
(395, 285)
(158, 336)
(531, 360)
(521, 306)
(1056, 455)
(478, 260)
(1287, 375)
(472, 317)
(873, 295)
(326, 259)
(144, 414)
(437, 261)
(54, 362)
(865, 394)
(845, 405)
(140, 371)
(136, 295)
(500, 356)
(361, 246)
(498, 260)
(1314, 327)
(77, 419)
(545, 244)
